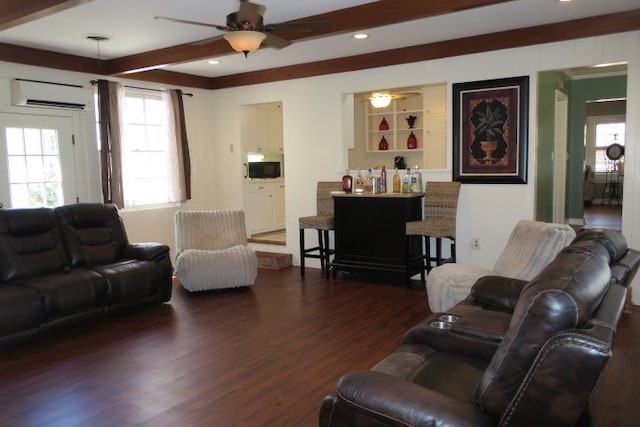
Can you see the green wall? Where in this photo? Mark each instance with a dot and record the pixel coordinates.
(548, 82)
(582, 91)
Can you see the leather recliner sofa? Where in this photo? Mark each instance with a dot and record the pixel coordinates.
(485, 315)
(514, 353)
(71, 265)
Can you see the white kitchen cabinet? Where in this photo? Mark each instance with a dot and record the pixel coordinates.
(278, 207)
(262, 128)
(264, 206)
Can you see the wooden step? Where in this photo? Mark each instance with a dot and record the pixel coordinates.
(273, 260)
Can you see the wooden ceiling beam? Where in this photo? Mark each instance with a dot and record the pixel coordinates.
(82, 64)
(49, 59)
(369, 15)
(16, 12)
(172, 78)
(548, 33)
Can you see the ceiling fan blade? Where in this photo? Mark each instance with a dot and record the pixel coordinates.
(300, 27)
(275, 41)
(251, 12)
(184, 21)
(206, 41)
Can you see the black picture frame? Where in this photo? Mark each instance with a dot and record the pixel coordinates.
(490, 131)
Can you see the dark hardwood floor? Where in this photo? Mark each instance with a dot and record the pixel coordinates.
(259, 357)
(603, 216)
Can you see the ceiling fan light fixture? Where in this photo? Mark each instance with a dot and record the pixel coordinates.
(380, 100)
(245, 41)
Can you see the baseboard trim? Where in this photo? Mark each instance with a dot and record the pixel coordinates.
(576, 221)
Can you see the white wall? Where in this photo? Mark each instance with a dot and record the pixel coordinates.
(315, 142)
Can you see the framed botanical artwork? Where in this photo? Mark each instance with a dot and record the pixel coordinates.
(490, 129)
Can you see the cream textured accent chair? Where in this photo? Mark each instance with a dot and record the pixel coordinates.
(212, 250)
(322, 222)
(531, 246)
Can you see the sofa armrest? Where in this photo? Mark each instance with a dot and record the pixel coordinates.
(497, 291)
(145, 251)
(374, 398)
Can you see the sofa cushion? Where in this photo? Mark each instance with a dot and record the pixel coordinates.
(497, 291)
(612, 241)
(30, 244)
(22, 309)
(201, 270)
(67, 293)
(93, 232)
(130, 280)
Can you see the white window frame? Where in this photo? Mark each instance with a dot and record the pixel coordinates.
(153, 147)
(590, 141)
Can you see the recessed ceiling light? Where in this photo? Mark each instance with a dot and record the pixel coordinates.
(213, 62)
(564, 1)
(360, 36)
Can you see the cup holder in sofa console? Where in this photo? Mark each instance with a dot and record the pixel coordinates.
(449, 318)
(441, 325)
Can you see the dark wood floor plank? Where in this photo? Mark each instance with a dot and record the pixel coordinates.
(250, 357)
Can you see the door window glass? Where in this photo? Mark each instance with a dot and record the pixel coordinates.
(33, 158)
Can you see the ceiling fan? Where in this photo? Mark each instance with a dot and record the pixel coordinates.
(246, 31)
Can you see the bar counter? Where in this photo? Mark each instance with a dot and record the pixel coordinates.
(370, 231)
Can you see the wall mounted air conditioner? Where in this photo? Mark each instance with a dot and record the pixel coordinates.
(52, 95)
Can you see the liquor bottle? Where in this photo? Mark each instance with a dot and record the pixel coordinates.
(347, 182)
(368, 182)
(406, 182)
(396, 182)
(383, 180)
(358, 186)
(418, 175)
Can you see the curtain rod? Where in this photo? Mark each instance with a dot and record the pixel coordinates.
(94, 82)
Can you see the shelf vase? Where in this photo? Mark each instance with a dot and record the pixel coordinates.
(412, 141)
(383, 145)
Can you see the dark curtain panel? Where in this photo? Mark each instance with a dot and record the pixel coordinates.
(182, 146)
(110, 146)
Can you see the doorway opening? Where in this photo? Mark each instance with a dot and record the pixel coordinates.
(595, 97)
(264, 173)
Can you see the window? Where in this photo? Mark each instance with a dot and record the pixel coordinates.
(33, 158)
(145, 150)
(602, 132)
(146, 157)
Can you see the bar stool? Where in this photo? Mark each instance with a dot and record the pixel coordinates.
(440, 208)
(322, 223)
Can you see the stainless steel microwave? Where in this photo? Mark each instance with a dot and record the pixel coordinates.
(264, 170)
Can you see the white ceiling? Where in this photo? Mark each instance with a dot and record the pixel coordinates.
(131, 28)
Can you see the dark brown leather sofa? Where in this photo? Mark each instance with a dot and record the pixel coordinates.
(514, 353)
(71, 265)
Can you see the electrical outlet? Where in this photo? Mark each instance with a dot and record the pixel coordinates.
(475, 243)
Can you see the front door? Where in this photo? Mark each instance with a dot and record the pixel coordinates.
(37, 158)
